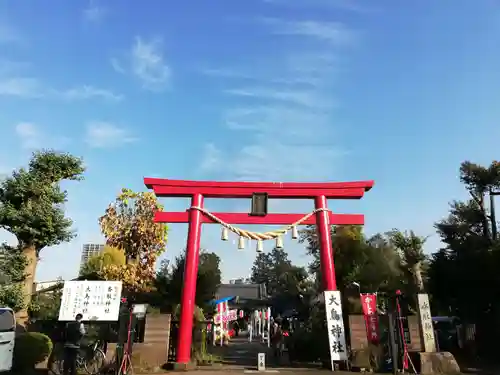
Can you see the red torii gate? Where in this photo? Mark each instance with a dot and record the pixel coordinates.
(195, 216)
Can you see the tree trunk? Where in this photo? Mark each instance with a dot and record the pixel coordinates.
(486, 226)
(417, 275)
(32, 259)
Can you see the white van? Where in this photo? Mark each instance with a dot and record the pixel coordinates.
(7, 338)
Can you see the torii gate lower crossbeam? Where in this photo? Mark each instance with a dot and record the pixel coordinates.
(198, 190)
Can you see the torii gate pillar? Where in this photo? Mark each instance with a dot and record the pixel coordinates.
(198, 190)
(325, 242)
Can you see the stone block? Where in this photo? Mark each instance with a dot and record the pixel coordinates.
(361, 358)
(438, 363)
(183, 366)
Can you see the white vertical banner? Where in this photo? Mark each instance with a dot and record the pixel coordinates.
(335, 326)
(426, 326)
(219, 310)
(214, 334)
(226, 315)
(268, 327)
(250, 328)
(261, 333)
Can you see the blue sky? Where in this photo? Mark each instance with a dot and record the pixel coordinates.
(283, 90)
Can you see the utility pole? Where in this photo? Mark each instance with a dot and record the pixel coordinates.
(492, 214)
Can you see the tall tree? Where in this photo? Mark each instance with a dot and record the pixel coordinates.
(411, 251)
(463, 275)
(111, 256)
(31, 208)
(262, 271)
(480, 181)
(170, 279)
(372, 263)
(286, 284)
(209, 278)
(128, 224)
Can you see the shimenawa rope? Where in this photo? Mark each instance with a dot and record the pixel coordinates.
(255, 235)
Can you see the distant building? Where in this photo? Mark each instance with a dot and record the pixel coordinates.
(242, 292)
(89, 250)
(241, 281)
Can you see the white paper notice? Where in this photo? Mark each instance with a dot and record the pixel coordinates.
(95, 300)
(335, 326)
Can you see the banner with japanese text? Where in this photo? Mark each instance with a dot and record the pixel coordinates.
(424, 313)
(335, 326)
(369, 304)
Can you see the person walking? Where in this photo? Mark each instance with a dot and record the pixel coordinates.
(277, 340)
(73, 335)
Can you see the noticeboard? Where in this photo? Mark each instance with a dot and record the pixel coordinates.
(95, 300)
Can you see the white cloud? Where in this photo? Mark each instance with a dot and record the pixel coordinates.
(117, 66)
(26, 87)
(29, 87)
(31, 137)
(14, 82)
(279, 143)
(211, 157)
(28, 134)
(88, 92)
(101, 134)
(331, 32)
(347, 5)
(94, 12)
(311, 68)
(271, 160)
(146, 62)
(283, 119)
(306, 98)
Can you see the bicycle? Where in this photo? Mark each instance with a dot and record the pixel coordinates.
(90, 359)
(95, 359)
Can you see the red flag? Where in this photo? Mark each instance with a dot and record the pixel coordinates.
(369, 303)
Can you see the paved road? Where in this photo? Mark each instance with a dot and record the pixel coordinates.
(241, 356)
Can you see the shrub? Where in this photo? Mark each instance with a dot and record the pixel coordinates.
(305, 346)
(31, 348)
(310, 343)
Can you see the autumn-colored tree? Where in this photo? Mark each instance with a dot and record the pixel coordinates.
(109, 256)
(128, 224)
(32, 208)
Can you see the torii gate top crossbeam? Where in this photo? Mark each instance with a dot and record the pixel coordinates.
(290, 190)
